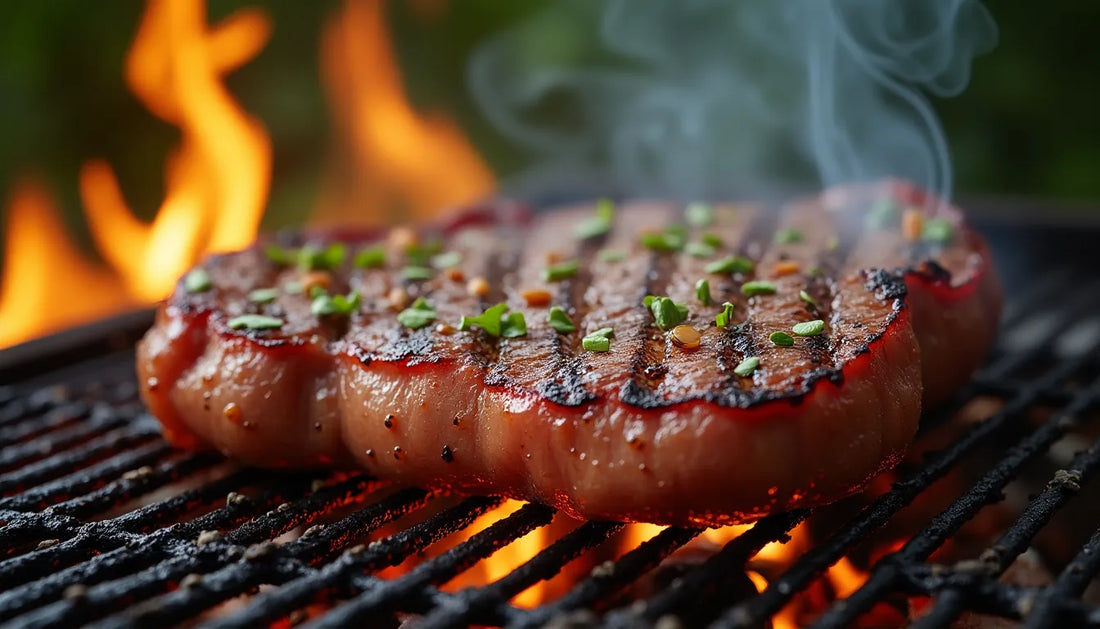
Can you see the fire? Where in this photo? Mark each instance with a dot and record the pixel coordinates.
(403, 164)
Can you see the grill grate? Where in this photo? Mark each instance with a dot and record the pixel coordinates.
(103, 524)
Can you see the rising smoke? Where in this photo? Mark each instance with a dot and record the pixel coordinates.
(697, 98)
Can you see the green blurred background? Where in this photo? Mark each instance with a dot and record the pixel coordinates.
(1027, 125)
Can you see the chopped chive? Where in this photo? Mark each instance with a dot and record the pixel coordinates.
(665, 242)
(883, 213)
(316, 291)
(292, 288)
(421, 254)
(724, 318)
(489, 320)
(758, 287)
(263, 295)
(611, 255)
(938, 230)
(598, 341)
(699, 249)
(712, 239)
(198, 281)
(599, 224)
(806, 297)
(815, 270)
(255, 322)
(280, 255)
(324, 305)
(667, 313)
(788, 236)
(418, 315)
(702, 292)
(513, 325)
(447, 260)
(730, 264)
(560, 271)
(809, 328)
(312, 259)
(560, 321)
(699, 214)
(747, 366)
(371, 258)
(781, 339)
(416, 273)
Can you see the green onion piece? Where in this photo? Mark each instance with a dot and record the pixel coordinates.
(809, 328)
(490, 320)
(599, 224)
(560, 271)
(560, 321)
(702, 292)
(747, 366)
(311, 258)
(371, 258)
(316, 291)
(281, 256)
(324, 304)
(724, 318)
(699, 214)
(671, 239)
(883, 213)
(611, 255)
(598, 341)
(198, 281)
(513, 325)
(806, 297)
(263, 295)
(416, 273)
(712, 239)
(699, 249)
(816, 270)
(781, 339)
(255, 322)
(938, 230)
(730, 264)
(418, 315)
(420, 255)
(758, 287)
(788, 236)
(447, 260)
(292, 288)
(667, 313)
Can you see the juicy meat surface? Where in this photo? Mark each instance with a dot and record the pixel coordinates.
(649, 430)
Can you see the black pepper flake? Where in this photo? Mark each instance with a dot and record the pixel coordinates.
(317, 426)
(397, 452)
(455, 421)
(448, 456)
(370, 452)
(388, 421)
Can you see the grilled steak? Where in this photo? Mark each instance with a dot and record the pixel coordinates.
(390, 355)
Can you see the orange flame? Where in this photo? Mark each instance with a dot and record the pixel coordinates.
(403, 164)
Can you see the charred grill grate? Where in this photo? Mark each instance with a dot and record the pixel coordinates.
(103, 523)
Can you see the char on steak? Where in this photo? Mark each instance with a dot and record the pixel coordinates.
(375, 350)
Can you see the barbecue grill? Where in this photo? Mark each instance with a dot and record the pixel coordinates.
(101, 522)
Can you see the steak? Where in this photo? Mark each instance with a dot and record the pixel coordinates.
(668, 401)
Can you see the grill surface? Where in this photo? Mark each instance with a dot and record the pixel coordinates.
(103, 523)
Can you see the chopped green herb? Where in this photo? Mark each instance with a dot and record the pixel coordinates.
(883, 213)
(447, 260)
(758, 287)
(198, 281)
(612, 255)
(938, 230)
(809, 328)
(730, 264)
(598, 341)
(671, 239)
(788, 236)
(560, 271)
(599, 224)
(816, 270)
(416, 273)
(513, 325)
(560, 321)
(371, 258)
(667, 313)
(806, 297)
(255, 322)
(699, 249)
(724, 318)
(263, 295)
(712, 239)
(292, 288)
(747, 366)
(421, 254)
(699, 214)
(311, 258)
(490, 320)
(324, 305)
(316, 291)
(832, 244)
(781, 339)
(702, 292)
(418, 315)
(281, 256)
